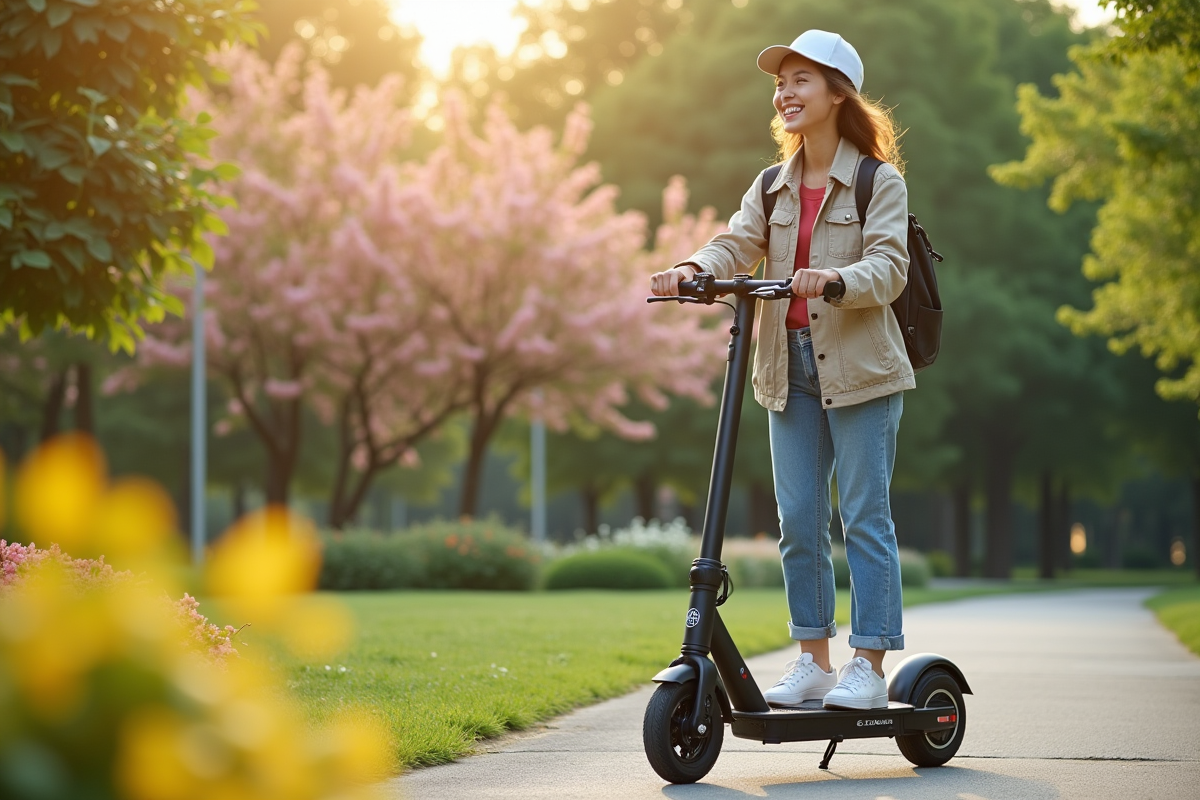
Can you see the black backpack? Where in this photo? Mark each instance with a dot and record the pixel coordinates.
(918, 309)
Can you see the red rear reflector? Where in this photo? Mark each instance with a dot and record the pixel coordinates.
(951, 718)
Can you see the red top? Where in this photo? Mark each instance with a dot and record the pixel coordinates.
(810, 204)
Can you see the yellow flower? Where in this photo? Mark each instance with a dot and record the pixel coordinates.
(74, 635)
(264, 561)
(58, 489)
(134, 523)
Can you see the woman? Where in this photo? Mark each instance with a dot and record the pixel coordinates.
(831, 373)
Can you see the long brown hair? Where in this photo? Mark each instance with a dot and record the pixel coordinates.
(866, 123)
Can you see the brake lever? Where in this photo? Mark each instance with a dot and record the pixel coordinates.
(676, 298)
(771, 292)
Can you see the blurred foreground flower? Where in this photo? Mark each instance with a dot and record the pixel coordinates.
(109, 690)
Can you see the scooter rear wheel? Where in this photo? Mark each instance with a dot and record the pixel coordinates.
(674, 755)
(935, 688)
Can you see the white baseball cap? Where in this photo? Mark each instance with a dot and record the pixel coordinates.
(822, 47)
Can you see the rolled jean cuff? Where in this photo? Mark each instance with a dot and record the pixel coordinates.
(809, 634)
(876, 642)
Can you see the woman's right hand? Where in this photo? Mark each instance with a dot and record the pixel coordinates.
(666, 284)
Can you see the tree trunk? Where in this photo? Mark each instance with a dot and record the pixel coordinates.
(590, 496)
(85, 419)
(962, 529)
(344, 505)
(1195, 554)
(279, 477)
(998, 480)
(52, 407)
(643, 494)
(1062, 527)
(1112, 545)
(764, 512)
(345, 454)
(1047, 530)
(481, 434)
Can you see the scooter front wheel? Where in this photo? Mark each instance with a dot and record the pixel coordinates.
(674, 754)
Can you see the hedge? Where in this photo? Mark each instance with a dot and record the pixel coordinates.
(437, 555)
(610, 568)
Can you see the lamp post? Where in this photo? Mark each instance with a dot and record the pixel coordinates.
(199, 440)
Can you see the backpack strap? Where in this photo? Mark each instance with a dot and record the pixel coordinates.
(864, 185)
(768, 198)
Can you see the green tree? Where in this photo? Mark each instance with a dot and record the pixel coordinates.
(1125, 134)
(1153, 25)
(101, 197)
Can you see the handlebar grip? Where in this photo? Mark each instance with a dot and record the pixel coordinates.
(834, 290)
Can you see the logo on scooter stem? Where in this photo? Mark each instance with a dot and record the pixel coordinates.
(693, 618)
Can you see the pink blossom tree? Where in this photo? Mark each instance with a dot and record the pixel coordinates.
(542, 283)
(310, 304)
(388, 294)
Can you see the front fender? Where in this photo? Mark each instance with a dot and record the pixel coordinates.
(682, 673)
(676, 673)
(904, 676)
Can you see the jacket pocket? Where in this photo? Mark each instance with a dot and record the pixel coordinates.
(781, 227)
(869, 319)
(845, 232)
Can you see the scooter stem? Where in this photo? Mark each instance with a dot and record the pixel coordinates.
(727, 428)
(706, 574)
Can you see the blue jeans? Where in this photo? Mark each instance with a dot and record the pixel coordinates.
(806, 442)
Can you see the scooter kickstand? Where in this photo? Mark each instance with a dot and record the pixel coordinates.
(833, 743)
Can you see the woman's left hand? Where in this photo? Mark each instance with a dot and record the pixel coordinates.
(810, 283)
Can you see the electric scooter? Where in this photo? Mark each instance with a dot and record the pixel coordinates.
(709, 685)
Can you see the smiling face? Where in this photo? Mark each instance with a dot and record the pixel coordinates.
(803, 98)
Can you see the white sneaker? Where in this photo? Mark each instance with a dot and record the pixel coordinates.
(858, 687)
(802, 680)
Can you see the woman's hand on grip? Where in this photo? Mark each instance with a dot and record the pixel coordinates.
(666, 284)
(810, 283)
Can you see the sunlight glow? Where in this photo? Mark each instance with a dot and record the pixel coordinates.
(1088, 13)
(447, 24)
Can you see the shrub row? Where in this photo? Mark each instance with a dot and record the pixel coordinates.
(438, 555)
(610, 568)
(487, 555)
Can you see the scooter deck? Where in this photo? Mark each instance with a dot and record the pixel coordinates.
(810, 722)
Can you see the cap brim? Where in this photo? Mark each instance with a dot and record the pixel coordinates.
(769, 60)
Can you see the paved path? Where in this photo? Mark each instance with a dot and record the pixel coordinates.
(1078, 694)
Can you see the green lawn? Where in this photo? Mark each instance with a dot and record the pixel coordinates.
(446, 669)
(1179, 610)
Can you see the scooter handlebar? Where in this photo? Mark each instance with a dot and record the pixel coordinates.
(705, 289)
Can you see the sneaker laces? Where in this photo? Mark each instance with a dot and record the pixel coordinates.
(856, 673)
(796, 668)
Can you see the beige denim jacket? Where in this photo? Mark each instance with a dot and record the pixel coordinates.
(856, 340)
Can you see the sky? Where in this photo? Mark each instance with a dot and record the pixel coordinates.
(446, 24)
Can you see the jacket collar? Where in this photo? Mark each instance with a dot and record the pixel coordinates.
(845, 160)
